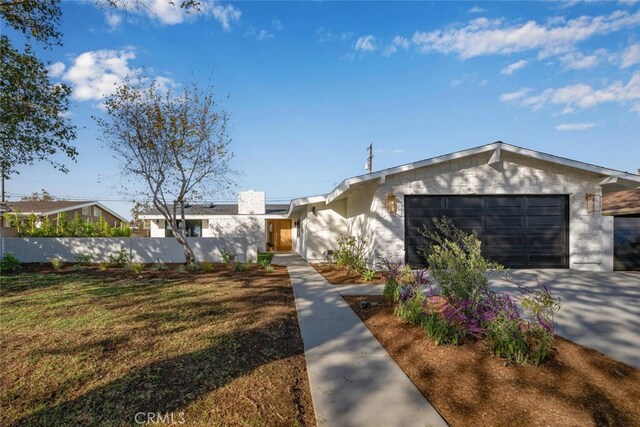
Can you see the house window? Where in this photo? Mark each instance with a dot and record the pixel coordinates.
(97, 212)
(86, 211)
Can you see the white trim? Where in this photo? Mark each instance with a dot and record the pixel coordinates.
(214, 217)
(78, 206)
(497, 147)
(305, 201)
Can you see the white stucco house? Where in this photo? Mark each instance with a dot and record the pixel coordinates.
(531, 210)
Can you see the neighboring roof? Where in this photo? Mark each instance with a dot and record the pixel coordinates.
(221, 209)
(4, 207)
(621, 203)
(496, 148)
(40, 207)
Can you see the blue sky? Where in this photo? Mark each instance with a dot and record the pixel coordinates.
(310, 84)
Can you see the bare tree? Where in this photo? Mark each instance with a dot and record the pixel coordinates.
(175, 143)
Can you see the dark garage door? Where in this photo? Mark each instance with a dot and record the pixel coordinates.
(516, 231)
(626, 243)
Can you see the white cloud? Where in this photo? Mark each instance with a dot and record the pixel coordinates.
(630, 56)
(225, 15)
(476, 9)
(113, 20)
(582, 96)
(484, 36)
(514, 96)
(264, 35)
(325, 35)
(169, 12)
(512, 68)
(471, 78)
(579, 61)
(277, 24)
(398, 42)
(366, 43)
(56, 69)
(575, 126)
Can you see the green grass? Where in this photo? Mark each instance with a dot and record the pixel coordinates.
(94, 349)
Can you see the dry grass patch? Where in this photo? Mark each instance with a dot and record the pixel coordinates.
(96, 347)
(468, 387)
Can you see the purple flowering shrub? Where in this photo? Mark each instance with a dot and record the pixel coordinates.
(459, 303)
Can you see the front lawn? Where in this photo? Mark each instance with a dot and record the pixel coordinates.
(470, 387)
(97, 348)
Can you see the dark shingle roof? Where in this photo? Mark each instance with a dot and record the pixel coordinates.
(39, 206)
(222, 209)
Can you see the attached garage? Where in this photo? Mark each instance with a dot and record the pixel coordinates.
(524, 231)
(626, 243)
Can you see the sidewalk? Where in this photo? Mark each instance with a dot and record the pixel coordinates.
(353, 380)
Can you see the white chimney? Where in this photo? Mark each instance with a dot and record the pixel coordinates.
(251, 203)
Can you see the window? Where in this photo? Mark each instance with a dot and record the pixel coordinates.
(86, 211)
(97, 212)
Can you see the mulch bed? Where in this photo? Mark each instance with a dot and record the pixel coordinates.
(341, 276)
(469, 387)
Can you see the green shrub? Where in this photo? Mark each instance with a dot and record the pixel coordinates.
(264, 262)
(182, 269)
(9, 262)
(410, 305)
(160, 266)
(120, 258)
(369, 275)
(56, 263)
(61, 227)
(265, 255)
(194, 266)
(227, 257)
(350, 253)
(456, 262)
(135, 267)
(83, 259)
(240, 266)
(269, 269)
(104, 265)
(206, 267)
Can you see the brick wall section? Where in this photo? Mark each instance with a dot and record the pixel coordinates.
(590, 234)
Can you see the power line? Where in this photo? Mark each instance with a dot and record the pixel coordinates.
(123, 200)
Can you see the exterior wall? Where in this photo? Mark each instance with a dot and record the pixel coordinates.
(590, 234)
(141, 249)
(321, 231)
(111, 220)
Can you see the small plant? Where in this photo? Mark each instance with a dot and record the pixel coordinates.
(269, 268)
(135, 267)
(160, 266)
(56, 263)
(240, 266)
(369, 275)
(120, 258)
(227, 257)
(350, 253)
(9, 262)
(206, 267)
(104, 265)
(264, 262)
(265, 255)
(82, 259)
(410, 304)
(182, 269)
(194, 267)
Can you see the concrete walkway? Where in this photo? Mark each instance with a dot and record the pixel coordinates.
(353, 380)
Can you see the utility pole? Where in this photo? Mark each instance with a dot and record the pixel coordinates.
(369, 165)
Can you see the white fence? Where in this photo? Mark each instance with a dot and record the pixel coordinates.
(141, 249)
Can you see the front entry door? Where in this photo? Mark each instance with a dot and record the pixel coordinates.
(282, 231)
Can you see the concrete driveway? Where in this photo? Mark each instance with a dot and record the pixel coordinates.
(599, 310)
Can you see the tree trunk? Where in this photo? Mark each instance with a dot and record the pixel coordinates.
(188, 252)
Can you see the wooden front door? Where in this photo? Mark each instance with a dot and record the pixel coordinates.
(282, 234)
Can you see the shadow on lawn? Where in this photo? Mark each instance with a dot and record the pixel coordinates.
(170, 385)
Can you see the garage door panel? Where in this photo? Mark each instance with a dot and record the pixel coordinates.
(626, 243)
(516, 231)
